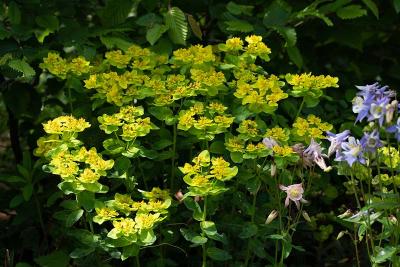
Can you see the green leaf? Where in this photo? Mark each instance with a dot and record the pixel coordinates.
(193, 237)
(248, 231)
(22, 66)
(194, 25)
(383, 254)
(289, 34)
(115, 42)
(14, 13)
(54, 259)
(237, 157)
(295, 56)
(396, 4)
(155, 32)
(16, 201)
(73, 217)
(86, 200)
(195, 207)
(218, 254)
(372, 6)
(217, 147)
(81, 252)
(236, 9)
(23, 264)
(178, 29)
(208, 227)
(351, 12)
(239, 26)
(149, 20)
(27, 192)
(48, 22)
(115, 12)
(130, 251)
(277, 14)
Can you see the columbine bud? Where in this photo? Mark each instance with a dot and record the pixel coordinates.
(341, 234)
(305, 216)
(273, 170)
(179, 196)
(393, 219)
(390, 108)
(347, 213)
(271, 217)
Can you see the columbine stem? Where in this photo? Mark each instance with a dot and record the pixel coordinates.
(172, 181)
(203, 246)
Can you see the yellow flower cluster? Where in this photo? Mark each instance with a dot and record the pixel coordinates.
(201, 174)
(390, 156)
(234, 44)
(310, 86)
(117, 59)
(128, 119)
(209, 78)
(200, 119)
(257, 47)
(248, 129)
(117, 89)
(60, 67)
(195, 55)
(46, 144)
(283, 151)
(65, 124)
(278, 134)
(261, 93)
(235, 144)
(312, 127)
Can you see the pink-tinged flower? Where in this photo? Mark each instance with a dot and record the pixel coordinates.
(294, 193)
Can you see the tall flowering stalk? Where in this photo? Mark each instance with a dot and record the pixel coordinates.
(372, 167)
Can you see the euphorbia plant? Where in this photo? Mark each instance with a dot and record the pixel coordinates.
(214, 106)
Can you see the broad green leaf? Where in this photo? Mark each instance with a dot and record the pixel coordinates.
(194, 25)
(208, 227)
(81, 252)
(54, 259)
(248, 231)
(149, 20)
(239, 26)
(236, 9)
(14, 13)
(351, 12)
(155, 32)
(22, 66)
(295, 56)
(237, 157)
(115, 42)
(27, 191)
(16, 201)
(277, 14)
(396, 4)
(289, 34)
(193, 237)
(86, 200)
(73, 217)
(372, 6)
(217, 147)
(195, 207)
(383, 254)
(218, 254)
(48, 22)
(178, 29)
(130, 251)
(115, 12)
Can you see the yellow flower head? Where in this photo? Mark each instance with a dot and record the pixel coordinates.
(234, 144)
(283, 151)
(146, 221)
(125, 226)
(234, 44)
(65, 124)
(88, 176)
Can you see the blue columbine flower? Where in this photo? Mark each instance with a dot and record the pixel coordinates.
(395, 129)
(352, 151)
(336, 141)
(370, 142)
(371, 102)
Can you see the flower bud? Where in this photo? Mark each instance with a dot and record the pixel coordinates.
(273, 170)
(179, 196)
(347, 213)
(393, 219)
(390, 108)
(305, 216)
(341, 234)
(271, 217)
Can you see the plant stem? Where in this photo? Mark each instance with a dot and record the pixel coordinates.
(300, 108)
(203, 246)
(246, 262)
(172, 180)
(137, 261)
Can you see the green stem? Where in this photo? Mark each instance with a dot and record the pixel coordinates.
(246, 262)
(203, 246)
(173, 171)
(137, 261)
(300, 108)
(70, 100)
